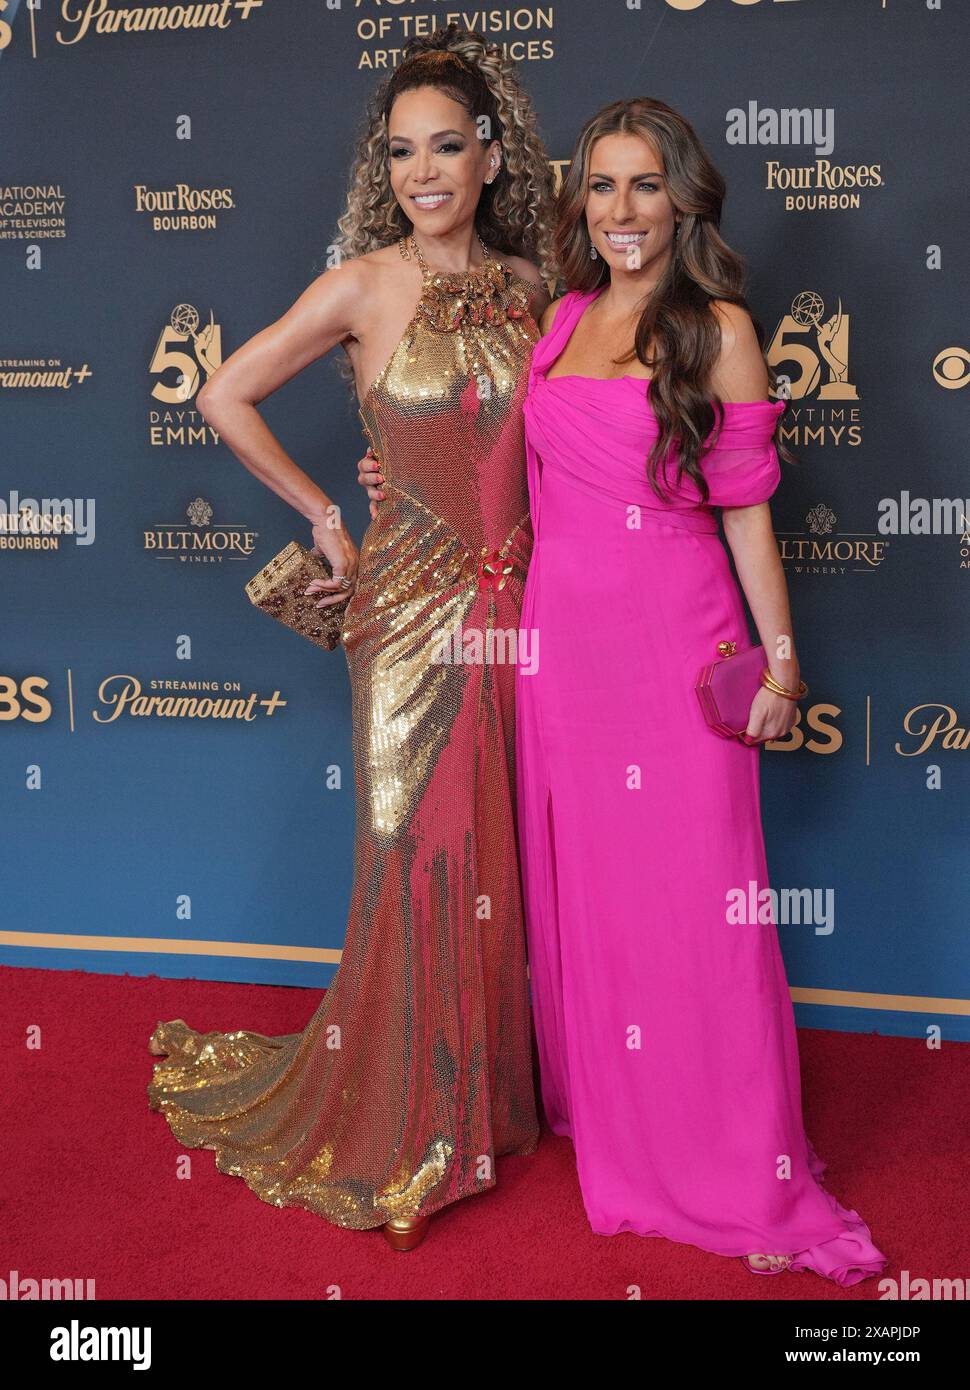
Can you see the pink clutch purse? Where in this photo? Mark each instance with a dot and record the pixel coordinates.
(726, 689)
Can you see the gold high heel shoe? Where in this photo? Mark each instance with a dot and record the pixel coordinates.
(405, 1232)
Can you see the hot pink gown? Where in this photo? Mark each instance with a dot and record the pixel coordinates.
(666, 1034)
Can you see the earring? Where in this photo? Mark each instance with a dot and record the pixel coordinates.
(593, 253)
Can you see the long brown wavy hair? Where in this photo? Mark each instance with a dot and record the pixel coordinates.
(678, 318)
(514, 212)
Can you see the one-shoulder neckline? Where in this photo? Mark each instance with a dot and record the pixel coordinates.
(589, 296)
(727, 405)
(573, 376)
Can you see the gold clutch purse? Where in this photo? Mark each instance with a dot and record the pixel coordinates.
(278, 590)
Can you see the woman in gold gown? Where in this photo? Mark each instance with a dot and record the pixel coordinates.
(415, 1071)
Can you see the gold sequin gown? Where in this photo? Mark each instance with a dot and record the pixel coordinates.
(415, 1072)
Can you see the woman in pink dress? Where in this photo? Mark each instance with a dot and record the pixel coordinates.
(666, 1032)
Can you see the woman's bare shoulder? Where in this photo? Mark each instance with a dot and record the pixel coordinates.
(734, 321)
(530, 274)
(524, 269)
(740, 373)
(366, 286)
(549, 317)
(375, 269)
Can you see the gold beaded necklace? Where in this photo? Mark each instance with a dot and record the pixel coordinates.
(428, 272)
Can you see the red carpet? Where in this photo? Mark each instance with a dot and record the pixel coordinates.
(89, 1188)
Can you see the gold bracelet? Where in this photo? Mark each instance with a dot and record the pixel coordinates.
(769, 683)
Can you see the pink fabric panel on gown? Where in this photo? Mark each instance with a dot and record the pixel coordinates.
(666, 1033)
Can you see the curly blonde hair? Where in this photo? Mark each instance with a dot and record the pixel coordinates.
(514, 211)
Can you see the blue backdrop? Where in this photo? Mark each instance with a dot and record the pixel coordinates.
(154, 183)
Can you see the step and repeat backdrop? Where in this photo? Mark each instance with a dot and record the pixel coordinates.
(176, 784)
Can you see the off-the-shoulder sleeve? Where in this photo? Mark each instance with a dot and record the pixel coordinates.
(742, 468)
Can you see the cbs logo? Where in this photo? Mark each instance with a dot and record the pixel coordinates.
(23, 700)
(811, 730)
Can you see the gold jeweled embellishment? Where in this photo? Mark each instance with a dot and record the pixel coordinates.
(727, 648)
(474, 297)
(493, 570)
(485, 294)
